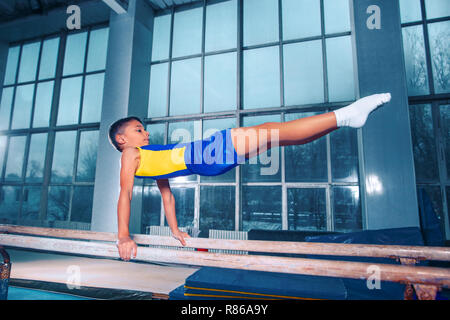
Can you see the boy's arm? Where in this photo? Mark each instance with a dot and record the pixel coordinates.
(129, 162)
(169, 209)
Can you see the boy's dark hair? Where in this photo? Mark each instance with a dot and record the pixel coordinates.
(117, 128)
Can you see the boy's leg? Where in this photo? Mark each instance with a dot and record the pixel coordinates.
(251, 141)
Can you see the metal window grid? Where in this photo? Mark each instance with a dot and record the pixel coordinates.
(239, 113)
(435, 100)
(51, 129)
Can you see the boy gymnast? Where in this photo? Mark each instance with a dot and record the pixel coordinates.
(216, 155)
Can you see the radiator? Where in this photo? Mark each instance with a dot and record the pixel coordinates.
(229, 235)
(165, 231)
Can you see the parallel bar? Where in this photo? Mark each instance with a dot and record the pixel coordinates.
(355, 270)
(335, 249)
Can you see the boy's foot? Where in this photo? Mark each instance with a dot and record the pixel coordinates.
(355, 115)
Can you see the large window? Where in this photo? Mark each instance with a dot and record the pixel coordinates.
(224, 64)
(49, 119)
(426, 42)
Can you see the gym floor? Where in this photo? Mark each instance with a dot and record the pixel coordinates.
(95, 277)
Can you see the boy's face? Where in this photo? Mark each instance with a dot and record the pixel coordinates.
(134, 135)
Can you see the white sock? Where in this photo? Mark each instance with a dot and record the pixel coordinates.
(355, 115)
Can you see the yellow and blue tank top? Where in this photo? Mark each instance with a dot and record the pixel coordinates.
(162, 161)
(212, 156)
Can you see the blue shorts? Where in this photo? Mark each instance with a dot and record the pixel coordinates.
(212, 156)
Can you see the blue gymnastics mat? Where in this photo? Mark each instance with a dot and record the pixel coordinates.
(220, 283)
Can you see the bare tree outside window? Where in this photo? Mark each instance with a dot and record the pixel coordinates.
(416, 67)
(440, 55)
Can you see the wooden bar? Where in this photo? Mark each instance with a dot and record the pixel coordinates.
(355, 270)
(336, 249)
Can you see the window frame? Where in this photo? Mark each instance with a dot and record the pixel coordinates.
(435, 100)
(239, 113)
(50, 130)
